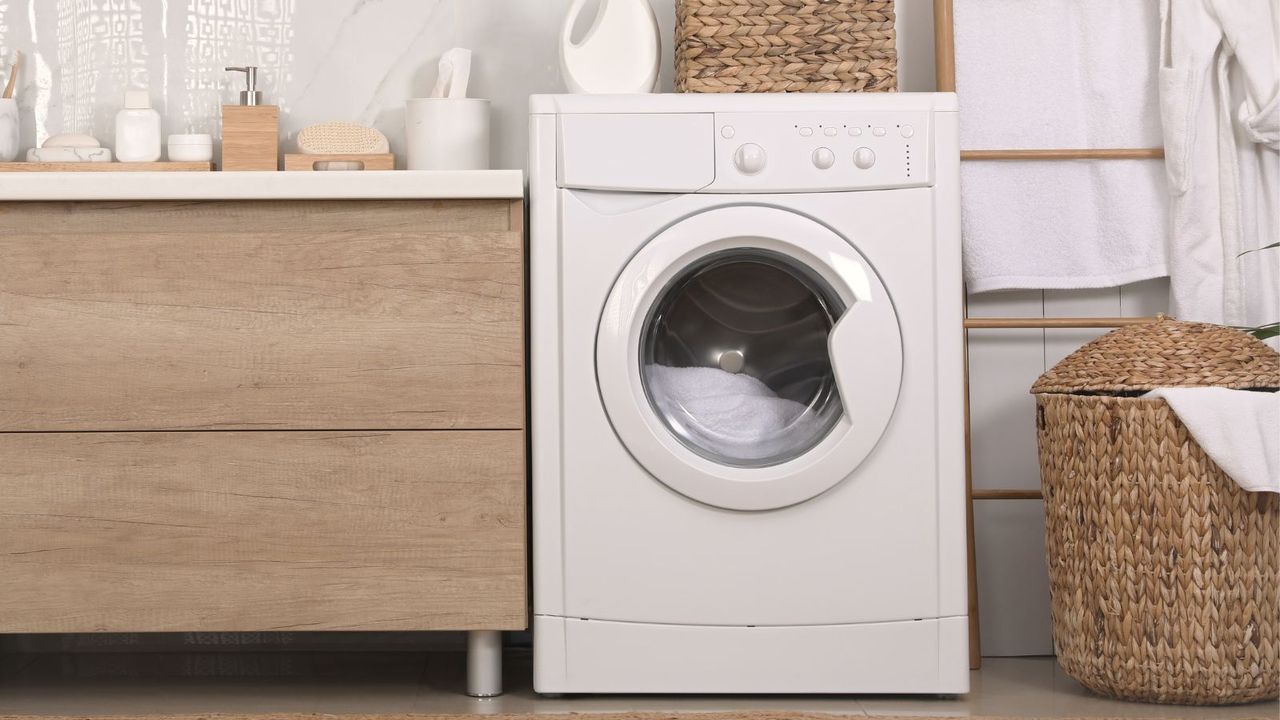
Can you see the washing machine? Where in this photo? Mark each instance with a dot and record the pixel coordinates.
(747, 394)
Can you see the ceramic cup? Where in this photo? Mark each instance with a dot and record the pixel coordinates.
(9, 130)
(447, 133)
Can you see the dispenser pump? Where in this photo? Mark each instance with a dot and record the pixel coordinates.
(251, 95)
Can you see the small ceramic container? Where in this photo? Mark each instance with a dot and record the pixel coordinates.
(196, 147)
(447, 133)
(9, 130)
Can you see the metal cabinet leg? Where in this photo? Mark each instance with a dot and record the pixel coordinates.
(484, 663)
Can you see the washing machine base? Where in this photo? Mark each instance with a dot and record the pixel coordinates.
(573, 655)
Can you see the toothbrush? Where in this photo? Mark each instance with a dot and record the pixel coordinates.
(13, 76)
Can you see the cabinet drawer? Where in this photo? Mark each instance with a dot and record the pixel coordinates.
(261, 315)
(258, 531)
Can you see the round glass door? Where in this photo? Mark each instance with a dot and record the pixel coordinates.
(735, 358)
(749, 358)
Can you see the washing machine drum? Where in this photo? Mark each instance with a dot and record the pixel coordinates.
(736, 361)
(749, 358)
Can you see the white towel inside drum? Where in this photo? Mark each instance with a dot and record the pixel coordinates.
(732, 415)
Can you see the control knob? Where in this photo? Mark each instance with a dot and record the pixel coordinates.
(750, 158)
(864, 157)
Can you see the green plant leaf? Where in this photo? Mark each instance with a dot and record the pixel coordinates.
(1264, 247)
(1265, 332)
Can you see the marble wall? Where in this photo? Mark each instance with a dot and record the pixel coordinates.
(321, 60)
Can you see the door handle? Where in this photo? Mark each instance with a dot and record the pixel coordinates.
(865, 347)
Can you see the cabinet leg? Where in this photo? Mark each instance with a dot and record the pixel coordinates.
(484, 663)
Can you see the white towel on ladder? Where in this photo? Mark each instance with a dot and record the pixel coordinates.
(1060, 74)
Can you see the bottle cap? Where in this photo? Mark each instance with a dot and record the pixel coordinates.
(137, 100)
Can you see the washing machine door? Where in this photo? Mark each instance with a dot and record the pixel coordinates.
(749, 358)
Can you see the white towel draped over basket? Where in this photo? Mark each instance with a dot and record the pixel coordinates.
(1238, 429)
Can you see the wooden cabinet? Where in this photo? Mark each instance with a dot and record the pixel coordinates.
(262, 415)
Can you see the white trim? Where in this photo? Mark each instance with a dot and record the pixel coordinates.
(574, 655)
(744, 102)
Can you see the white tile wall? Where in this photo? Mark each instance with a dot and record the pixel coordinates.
(1013, 587)
(356, 60)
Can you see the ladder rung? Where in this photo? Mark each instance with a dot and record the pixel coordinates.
(1066, 154)
(982, 323)
(1007, 495)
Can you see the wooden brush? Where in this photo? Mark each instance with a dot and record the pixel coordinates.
(13, 76)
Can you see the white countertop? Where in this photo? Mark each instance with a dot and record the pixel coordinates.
(364, 185)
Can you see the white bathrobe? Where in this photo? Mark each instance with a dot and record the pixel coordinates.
(1220, 107)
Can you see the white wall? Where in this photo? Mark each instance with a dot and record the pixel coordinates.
(1013, 583)
(332, 60)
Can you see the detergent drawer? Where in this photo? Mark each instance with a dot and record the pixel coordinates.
(618, 152)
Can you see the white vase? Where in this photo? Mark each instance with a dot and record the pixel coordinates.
(620, 53)
(9, 129)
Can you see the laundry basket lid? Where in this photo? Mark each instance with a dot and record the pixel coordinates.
(1165, 353)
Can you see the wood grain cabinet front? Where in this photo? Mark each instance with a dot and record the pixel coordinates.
(261, 315)
(266, 415)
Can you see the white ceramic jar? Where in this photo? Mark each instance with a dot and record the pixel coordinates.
(447, 133)
(137, 129)
(192, 147)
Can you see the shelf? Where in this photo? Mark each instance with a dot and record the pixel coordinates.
(362, 185)
(101, 167)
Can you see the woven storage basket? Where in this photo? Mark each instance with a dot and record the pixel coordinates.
(785, 46)
(1164, 573)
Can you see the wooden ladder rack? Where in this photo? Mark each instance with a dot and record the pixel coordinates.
(945, 64)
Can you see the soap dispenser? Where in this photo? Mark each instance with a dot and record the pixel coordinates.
(250, 130)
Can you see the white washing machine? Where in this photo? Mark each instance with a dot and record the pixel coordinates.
(747, 378)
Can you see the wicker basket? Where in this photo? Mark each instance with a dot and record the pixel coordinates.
(785, 46)
(1164, 574)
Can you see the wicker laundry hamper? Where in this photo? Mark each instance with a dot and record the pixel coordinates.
(785, 46)
(1164, 574)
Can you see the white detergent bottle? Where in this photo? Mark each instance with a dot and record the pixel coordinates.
(137, 129)
(620, 53)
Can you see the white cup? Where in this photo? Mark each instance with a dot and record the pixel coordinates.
(10, 136)
(447, 133)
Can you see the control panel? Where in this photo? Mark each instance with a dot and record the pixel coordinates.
(790, 152)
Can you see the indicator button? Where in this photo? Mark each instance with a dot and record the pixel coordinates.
(878, 132)
(727, 132)
(908, 131)
(806, 132)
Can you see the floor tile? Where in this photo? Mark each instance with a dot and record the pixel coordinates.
(417, 682)
(1037, 687)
